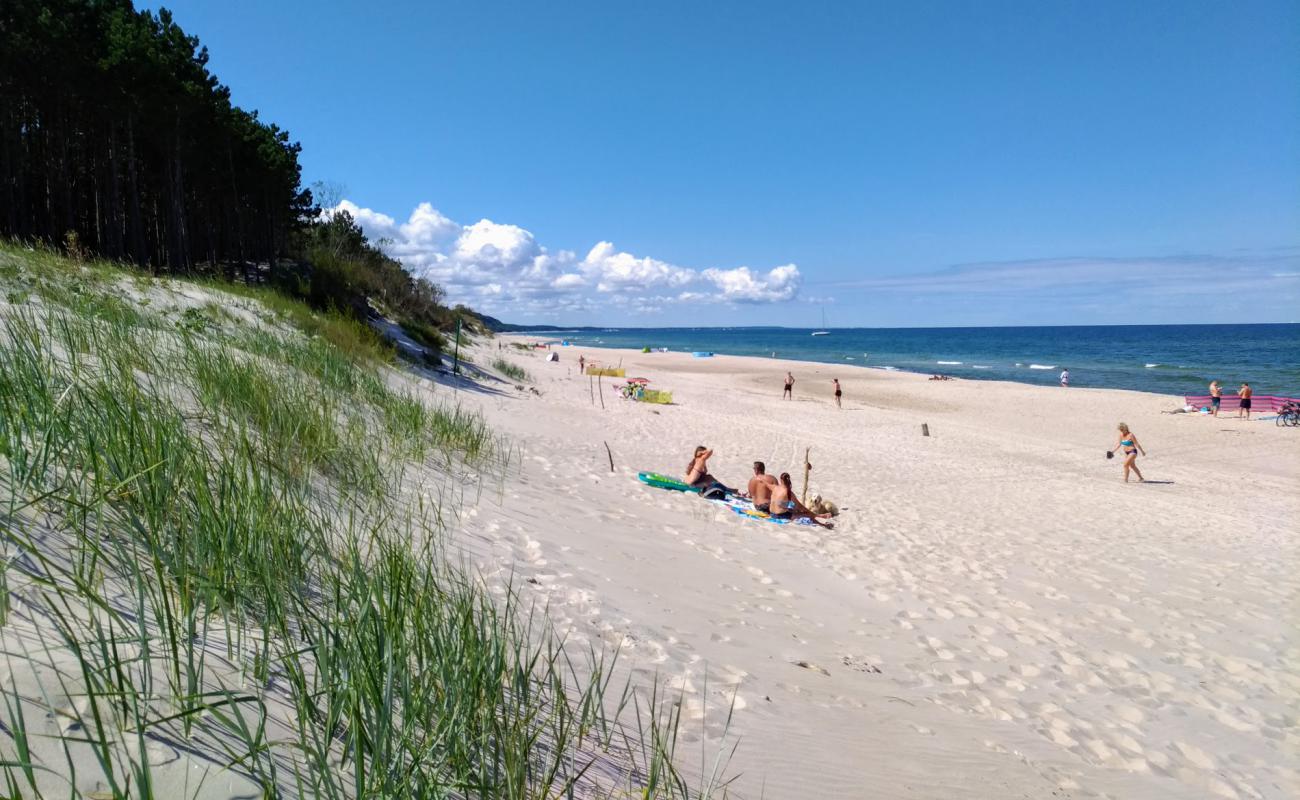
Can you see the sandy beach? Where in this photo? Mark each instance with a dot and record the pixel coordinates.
(996, 614)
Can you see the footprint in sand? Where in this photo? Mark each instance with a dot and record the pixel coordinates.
(1194, 755)
(993, 651)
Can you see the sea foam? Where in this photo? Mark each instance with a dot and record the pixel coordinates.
(1042, 366)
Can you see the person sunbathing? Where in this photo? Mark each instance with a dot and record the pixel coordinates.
(698, 477)
(785, 505)
(760, 486)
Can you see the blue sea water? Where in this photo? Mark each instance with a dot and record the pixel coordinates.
(1168, 359)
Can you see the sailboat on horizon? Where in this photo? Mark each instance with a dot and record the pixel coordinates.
(822, 333)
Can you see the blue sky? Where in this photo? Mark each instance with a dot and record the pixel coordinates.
(749, 163)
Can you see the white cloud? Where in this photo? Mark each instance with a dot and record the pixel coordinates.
(502, 268)
(743, 285)
(614, 271)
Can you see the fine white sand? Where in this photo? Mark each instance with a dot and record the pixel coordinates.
(996, 614)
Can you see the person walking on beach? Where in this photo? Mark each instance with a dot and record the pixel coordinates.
(788, 394)
(1244, 393)
(1130, 447)
(836, 381)
(1216, 397)
(760, 486)
(1065, 377)
(582, 365)
(784, 505)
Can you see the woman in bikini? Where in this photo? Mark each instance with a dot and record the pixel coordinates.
(784, 505)
(698, 477)
(1130, 447)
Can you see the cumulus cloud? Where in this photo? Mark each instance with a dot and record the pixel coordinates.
(743, 285)
(614, 271)
(503, 268)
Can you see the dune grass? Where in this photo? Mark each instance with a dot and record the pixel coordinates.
(511, 371)
(219, 538)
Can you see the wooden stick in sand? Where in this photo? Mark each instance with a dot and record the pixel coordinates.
(807, 467)
(609, 453)
(600, 389)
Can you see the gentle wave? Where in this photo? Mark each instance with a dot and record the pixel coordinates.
(1042, 366)
(979, 366)
(1152, 366)
(882, 366)
(947, 362)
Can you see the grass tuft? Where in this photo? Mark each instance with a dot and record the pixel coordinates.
(512, 371)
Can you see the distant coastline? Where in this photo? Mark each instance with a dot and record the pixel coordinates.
(1164, 359)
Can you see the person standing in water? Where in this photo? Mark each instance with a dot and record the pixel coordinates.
(836, 381)
(1244, 393)
(1216, 397)
(788, 394)
(1065, 377)
(1128, 446)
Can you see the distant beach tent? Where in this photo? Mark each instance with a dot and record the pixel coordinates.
(553, 357)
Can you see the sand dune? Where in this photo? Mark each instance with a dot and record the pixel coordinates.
(996, 614)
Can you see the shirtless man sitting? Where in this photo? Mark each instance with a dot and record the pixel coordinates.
(760, 486)
(784, 505)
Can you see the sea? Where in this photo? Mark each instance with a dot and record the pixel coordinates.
(1166, 359)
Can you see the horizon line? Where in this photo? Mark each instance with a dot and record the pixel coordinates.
(542, 326)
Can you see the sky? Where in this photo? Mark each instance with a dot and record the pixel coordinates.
(755, 163)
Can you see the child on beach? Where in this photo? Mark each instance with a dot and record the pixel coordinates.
(1130, 445)
(836, 381)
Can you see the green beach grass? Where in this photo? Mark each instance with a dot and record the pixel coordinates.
(224, 568)
(511, 371)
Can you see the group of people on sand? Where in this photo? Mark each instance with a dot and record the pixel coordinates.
(787, 393)
(1216, 399)
(773, 496)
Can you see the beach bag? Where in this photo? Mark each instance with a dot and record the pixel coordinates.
(714, 491)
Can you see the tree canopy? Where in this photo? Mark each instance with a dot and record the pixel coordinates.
(112, 128)
(116, 139)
